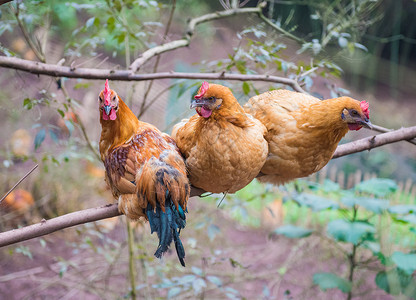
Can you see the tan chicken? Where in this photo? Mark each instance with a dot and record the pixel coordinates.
(223, 146)
(303, 131)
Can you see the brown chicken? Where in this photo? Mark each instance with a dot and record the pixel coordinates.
(144, 170)
(303, 131)
(224, 147)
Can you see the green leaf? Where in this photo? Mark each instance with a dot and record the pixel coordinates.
(53, 135)
(90, 22)
(40, 137)
(402, 209)
(246, 88)
(407, 219)
(27, 103)
(81, 85)
(331, 281)
(405, 262)
(197, 271)
(379, 187)
(111, 24)
(61, 112)
(293, 232)
(70, 126)
(215, 280)
(24, 250)
(173, 292)
(316, 203)
(198, 285)
(351, 232)
(213, 230)
(396, 281)
(371, 204)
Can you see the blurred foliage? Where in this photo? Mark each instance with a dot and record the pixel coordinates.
(364, 221)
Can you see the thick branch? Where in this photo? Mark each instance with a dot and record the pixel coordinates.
(108, 211)
(126, 75)
(48, 226)
(369, 143)
(185, 41)
(5, 1)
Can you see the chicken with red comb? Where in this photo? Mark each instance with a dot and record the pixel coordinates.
(223, 146)
(303, 131)
(144, 170)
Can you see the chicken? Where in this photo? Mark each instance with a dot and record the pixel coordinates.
(303, 131)
(224, 147)
(144, 170)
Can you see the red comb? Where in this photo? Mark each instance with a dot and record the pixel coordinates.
(365, 108)
(202, 90)
(107, 93)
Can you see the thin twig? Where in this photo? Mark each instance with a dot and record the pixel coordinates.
(38, 52)
(165, 35)
(185, 41)
(23, 178)
(132, 272)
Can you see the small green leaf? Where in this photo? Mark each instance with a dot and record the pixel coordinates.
(396, 281)
(407, 219)
(24, 250)
(90, 22)
(81, 85)
(40, 137)
(27, 103)
(53, 135)
(246, 88)
(402, 209)
(215, 280)
(379, 187)
(197, 271)
(198, 285)
(70, 126)
(61, 112)
(173, 292)
(293, 232)
(213, 230)
(351, 232)
(405, 262)
(331, 281)
(371, 204)
(316, 203)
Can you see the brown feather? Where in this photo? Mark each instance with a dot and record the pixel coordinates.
(226, 151)
(133, 153)
(302, 131)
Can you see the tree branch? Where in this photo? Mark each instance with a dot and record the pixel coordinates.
(48, 226)
(369, 143)
(5, 1)
(185, 41)
(125, 75)
(94, 214)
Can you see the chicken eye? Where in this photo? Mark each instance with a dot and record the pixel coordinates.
(99, 98)
(354, 113)
(211, 98)
(114, 98)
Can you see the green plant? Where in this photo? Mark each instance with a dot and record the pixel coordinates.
(363, 220)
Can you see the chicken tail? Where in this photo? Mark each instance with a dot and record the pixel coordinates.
(166, 191)
(167, 224)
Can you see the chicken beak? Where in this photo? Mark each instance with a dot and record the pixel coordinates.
(366, 123)
(107, 109)
(198, 103)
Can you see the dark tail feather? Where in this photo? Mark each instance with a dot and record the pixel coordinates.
(168, 226)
